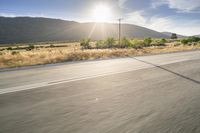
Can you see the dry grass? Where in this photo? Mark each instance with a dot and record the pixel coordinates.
(54, 55)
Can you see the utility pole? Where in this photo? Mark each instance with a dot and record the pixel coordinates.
(120, 19)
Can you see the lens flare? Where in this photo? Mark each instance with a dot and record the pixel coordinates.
(102, 13)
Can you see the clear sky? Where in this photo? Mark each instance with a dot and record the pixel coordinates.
(179, 16)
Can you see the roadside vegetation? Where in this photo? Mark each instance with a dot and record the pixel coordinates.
(45, 53)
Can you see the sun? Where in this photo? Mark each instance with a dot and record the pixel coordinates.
(102, 13)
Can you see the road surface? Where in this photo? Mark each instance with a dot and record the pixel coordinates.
(147, 94)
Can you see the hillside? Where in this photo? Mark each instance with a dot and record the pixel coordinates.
(197, 35)
(170, 33)
(27, 29)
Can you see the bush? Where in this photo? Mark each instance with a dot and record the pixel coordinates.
(163, 40)
(177, 44)
(184, 41)
(158, 42)
(110, 42)
(125, 43)
(52, 46)
(14, 53)
(30, 47)
(190, 40)
(137, 44)
(9, 48)
(100, 44)
(147, 42)
(85, 44)
(193, 39)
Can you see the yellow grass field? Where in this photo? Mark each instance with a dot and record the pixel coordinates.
(73, 52)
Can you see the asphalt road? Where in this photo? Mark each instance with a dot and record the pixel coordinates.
(149, 94)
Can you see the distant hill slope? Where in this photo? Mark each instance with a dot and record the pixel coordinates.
(27, 29)
(170, 33)
(197, 35)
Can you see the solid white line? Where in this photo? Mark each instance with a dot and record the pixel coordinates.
(176, 61)
(55, 82)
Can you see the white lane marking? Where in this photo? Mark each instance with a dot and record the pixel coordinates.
(176, 61)
(55, 82)
(44, 84)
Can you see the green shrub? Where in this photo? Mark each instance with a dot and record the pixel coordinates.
(52, 46)
(125, 43)
(14, 53)
(147, 42)
(190, 40)
(100, 44)
(193, 39)
(158, 42)
(110, 42)
(30, 47)
(184, 41)
(85, 44)
(9, 48)
(137, 44)
(163, 40)
(177, 44)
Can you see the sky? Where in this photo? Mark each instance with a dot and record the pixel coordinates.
(178, 16)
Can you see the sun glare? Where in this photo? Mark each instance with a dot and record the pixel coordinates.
(101, 13)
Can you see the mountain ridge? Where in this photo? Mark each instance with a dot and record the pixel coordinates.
(170, 33)
(38, 29)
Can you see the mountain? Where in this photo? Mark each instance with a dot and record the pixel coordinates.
(170, 33)
(197, 35)
(27, 29)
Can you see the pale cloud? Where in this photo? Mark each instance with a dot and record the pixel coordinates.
(161, 24)
(25, 14)
(7, 15)
(122, 3)
(135, 18)
(158, 3)
(154, 22)
(181, 5)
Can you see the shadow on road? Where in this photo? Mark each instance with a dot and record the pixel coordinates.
(182, 76)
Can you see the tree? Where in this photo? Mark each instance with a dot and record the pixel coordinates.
(174, 36)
